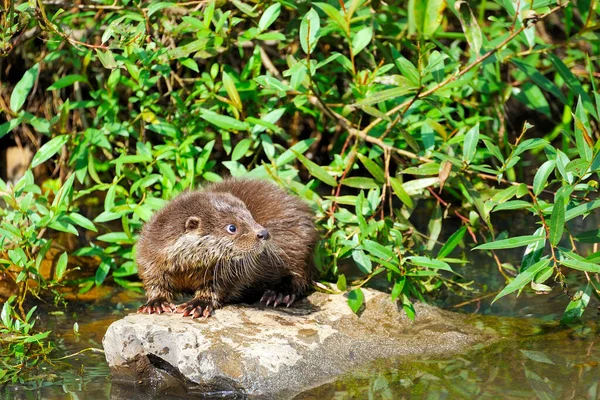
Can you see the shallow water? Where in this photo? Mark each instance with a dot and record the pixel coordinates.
(537, 358)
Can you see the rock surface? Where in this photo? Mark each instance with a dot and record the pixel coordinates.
(277, 353)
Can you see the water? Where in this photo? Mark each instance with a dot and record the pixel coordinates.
(537, 357)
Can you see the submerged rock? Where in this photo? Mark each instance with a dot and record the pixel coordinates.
(277, 353)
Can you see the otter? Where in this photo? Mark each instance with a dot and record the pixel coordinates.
(222, 244)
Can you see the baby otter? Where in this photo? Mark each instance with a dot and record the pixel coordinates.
(220, 244)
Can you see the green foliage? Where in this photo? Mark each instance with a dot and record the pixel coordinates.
(374, 115)
(21, 350)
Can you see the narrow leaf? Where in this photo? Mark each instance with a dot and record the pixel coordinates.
(452, 242)
(309, 29)
(522, 279)
(23, 87)
(557, 220)
(541, 176)
(49, 149)
(517, 241)
(470, 146)
(61, 266)
(315, 170)
(401, 193)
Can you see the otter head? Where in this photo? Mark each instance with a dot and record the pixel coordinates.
(227, 226)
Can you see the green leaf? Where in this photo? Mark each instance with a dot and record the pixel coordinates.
(269, 16)
(101, 273)
(67, 81)
(592, 236)
(577, 305)
(398, 287)
(452, 242)
(408, 70)
(116, 237)
(517, 241)
(539, 79)
(289, 155)
(49, 149)
(512, 205)
(61, 266)
(107, 59)
(572, 83)
(240, 149)
(64, 195)
(272, 83)
(429, 263)
(231, 90)
(583, 133)
(355, 299)
(470, 26)
(430, 168)
(522, 279)
(362, 39)
(5, 316)
(557, 220)
(504, 195)
(9, 126)
(532, 97)
(341, 282)
(425, 16)
(417, 186)
(155, 7)
(309, 29)
(401, 193)
(245, 8)
(581, 209)
(335, 15)
(360, 183)
(62, 226)
(315, 170)
(470, 146)
(223, 121)
(82, 222)
(109, 198)
(581, 265)
(131, 159)
(362, 261)
(384, 95)
(23, 87)
(190, 63)
(378, 250)
(541, 176)
(374, 169)
(434, 227)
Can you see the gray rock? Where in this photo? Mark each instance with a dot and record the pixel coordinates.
(277, 353)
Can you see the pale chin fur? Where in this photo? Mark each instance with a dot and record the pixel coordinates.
(213, 249)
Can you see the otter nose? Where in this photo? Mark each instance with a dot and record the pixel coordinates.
(263, 235)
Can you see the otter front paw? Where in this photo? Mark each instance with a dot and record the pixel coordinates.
(276, 298)
(156, 306)
(196, 308)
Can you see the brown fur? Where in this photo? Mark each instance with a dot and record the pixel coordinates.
(186, 248)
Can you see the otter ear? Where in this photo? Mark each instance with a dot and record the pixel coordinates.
(192, 223)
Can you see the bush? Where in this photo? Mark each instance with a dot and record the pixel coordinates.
(368, 112)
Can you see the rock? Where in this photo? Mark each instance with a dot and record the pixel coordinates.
(277, 353)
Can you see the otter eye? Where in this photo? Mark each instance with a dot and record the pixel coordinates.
(231, 228)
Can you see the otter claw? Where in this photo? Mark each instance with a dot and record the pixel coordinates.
(156, 306)
(195, 308)
(271, 296)
(278, 299)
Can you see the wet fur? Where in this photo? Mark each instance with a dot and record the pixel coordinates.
(216, 267)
